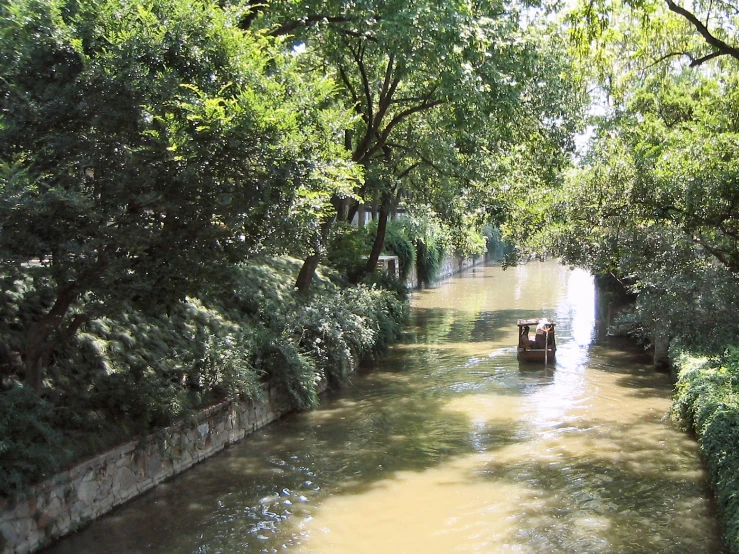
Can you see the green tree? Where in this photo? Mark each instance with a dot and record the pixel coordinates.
(432, 83)
(145, 145)
(655, 203)
(698, 31)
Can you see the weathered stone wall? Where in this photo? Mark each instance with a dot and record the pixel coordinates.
(449, 266)
(454, 264)
(70, 499)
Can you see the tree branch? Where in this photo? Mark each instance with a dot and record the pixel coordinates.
(360, 152)
(388, 76)
(354, 34)
(722, 48)
(399, 119)
(389, 86)
(289, 27)
(696, 62)
(424, 160)
(78, 321)
(255, 8)
(724, 258)
(667, 56)
(348, 85)
(403, 174)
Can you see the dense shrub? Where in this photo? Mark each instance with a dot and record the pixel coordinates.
(398, 244)
(430, 256)
(30, 445)
(496, 247)
(707, 402)
(348, 246)
(131, 373)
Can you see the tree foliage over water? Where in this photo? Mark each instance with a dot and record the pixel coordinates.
(654, 201)
(444, 93)
(146, 148)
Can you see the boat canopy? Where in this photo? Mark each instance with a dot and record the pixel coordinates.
(535, 321)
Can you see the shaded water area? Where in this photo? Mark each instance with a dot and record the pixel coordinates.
(448, 445)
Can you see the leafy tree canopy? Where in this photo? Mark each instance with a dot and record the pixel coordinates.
(142, 145)
(443, 92)
(654, 202)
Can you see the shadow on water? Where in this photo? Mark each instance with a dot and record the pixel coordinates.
(359, 437)
(635, 364)
(444, 324)
(619, 355)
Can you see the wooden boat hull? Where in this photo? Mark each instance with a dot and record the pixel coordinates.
(536, 355)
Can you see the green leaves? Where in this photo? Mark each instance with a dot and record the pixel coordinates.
(707, 403)
(157, 137)
(146, 146)
(30, 448)
(654, 203)
(132, 372)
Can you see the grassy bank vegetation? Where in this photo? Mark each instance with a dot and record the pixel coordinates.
(707, 403)
(128, 374)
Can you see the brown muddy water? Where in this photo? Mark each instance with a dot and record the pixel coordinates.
(449, 446)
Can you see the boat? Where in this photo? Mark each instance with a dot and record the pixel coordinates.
(542, 347)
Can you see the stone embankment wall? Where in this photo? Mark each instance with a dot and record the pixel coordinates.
(449, 266)
(454, 264)
(68, 500)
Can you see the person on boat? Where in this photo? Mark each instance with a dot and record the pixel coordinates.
(542, 334)
(523, 339)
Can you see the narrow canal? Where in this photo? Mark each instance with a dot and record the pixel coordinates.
(449, 446)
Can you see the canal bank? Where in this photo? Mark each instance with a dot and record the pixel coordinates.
(448, 445)
(71, 499)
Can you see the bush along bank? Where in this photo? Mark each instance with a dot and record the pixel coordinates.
(707, 402)
(127, 374)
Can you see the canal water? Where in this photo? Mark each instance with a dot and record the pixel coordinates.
(449, 446)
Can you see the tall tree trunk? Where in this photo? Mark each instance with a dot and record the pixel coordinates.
(379, 238)
(310, 264)
(307, 271)
(396, 203)
(353, 210)
(38, 346)
(361, 215)
(342, 209)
